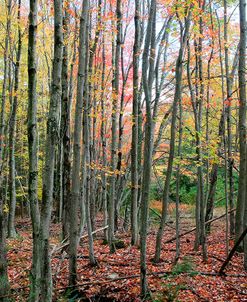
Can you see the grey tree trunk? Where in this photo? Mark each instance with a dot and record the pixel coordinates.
(87, 172)
(103, 141)
(214, 170)
(224, 109)
(200, 187)
(53, 128)
(177, 97)
(148, 53)
(12, 135)
(115, 90)
(229, 123)
(33, 150)
(179, 154)
(65, 123)
(4, 87)
(241, 218)
(241, 202)
(88, 145)
(90, 135)
(134, 142)
(4, 282)
(76, 165)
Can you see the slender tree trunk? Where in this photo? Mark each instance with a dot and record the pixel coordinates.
(88, 172)
(12, 135)
(51, 144)
(177, 97)
(33, 150)
(241, 218)
(115, 90)
(76, 165)
(207, 118)
(229, 122)
(179, 154)
(90, 132)
(4, 284)
(134, 142)
(65, 123)
(214, 170)
(4, 87)
(239, 222)
(148, 145)
(197, 109)
(224, 110)
(200, 192)
(103, 141)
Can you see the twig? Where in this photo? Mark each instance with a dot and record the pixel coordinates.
(138, 276)
(125, 278)
(56, 249)
(233, 250)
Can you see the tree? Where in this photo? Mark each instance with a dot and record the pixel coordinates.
(12, 133)
(115, 94)
(241, 213)
(53, 123)
(33, 149)
(65, 123)
(4, 284)
(75, 186)
(134, 142)
(148, 54)
(242, 122)
(177, 96)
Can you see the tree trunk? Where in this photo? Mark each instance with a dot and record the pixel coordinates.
(103, 141)
(239, 222)
(87, 171)
(4, 283)
(177, 97)
(4, 87)
(134, 142)
(229, 122)
(179, 154)
(51, 145)
(214, 170)
(33, 149)
(76, 165)
(115, 93)
(12, 135)
(241, 218)
(148, 145)
(65, 122)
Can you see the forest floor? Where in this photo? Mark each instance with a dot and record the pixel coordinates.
(116, 278)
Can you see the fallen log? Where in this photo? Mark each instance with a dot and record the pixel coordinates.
(192, 230)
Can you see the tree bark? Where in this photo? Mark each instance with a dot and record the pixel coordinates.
(115, 90)
(33, 149)
(148, 53)
(177, 97)
(241, 201)
(134, 142)
(53, 129)
(65, 122)
(241, 218)
(76, 165)
(12, 135)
